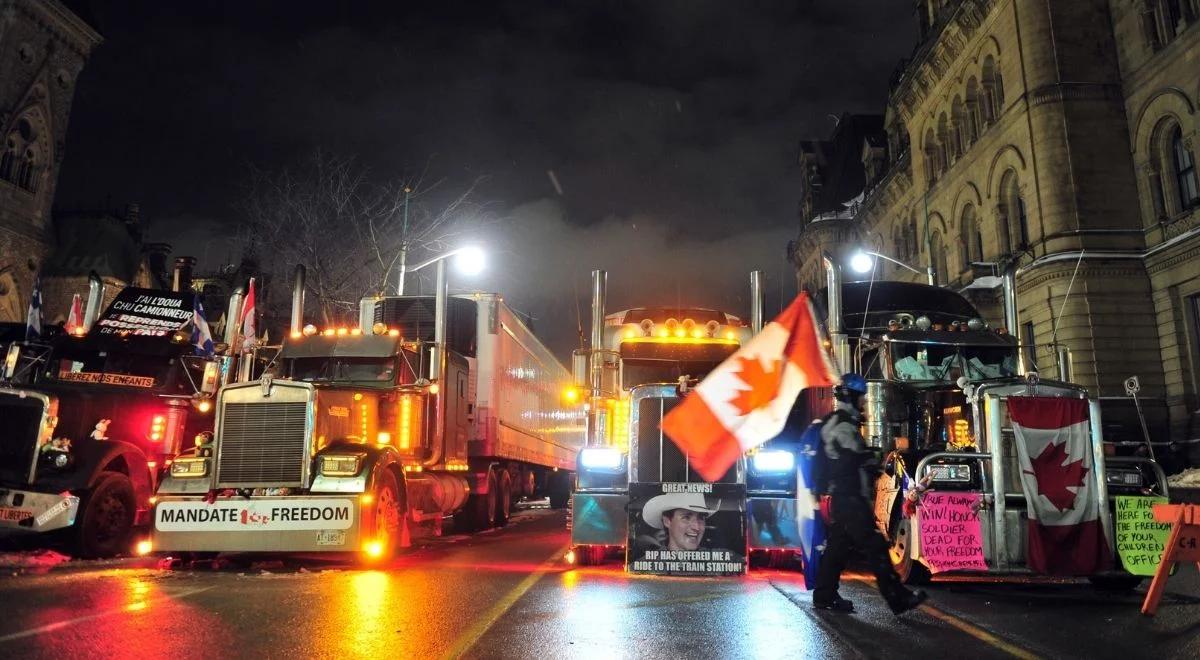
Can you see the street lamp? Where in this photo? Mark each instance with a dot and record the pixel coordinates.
(863, 262)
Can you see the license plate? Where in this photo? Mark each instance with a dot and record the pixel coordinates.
(331, 537)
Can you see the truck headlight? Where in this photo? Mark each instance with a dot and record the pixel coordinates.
(605, 459)
(950, 473)
(340, 466)
(776, 461)
(189, 467)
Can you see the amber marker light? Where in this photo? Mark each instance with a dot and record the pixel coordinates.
(570, 557)
(366, 499)
(144, 547)
(373, 549)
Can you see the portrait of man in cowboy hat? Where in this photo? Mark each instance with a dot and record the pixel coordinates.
(681, 517)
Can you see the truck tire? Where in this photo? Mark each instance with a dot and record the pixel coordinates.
(480, 509)
(105, 525)
(560, 489)
(909, 570)
(504, 500)
(388, 513)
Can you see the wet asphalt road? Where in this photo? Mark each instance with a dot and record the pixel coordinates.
(508, 594)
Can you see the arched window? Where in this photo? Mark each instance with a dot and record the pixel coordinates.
(933, 165)
(1012, 215)
(913, 248)
(993, 88)
(963, 134)
(20, 162)
(1184, 166)
(937, 257)
(948, 154)
(971, 240)
(974, 121)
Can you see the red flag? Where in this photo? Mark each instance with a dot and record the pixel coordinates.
(1054, 450)
(75, 318)
(246, 320)
(745, 401)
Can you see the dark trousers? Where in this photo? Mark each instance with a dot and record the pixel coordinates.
(853, 528)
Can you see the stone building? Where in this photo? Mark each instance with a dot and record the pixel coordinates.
(1056, 139)
(43, 47)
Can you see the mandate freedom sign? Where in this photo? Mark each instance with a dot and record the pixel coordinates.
(1140, 540)
(951, 536)
(687, 528)
(241, 515)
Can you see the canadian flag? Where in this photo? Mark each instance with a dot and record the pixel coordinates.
(1054, 450)
(745, 401)
(246, 321)
(75, 318)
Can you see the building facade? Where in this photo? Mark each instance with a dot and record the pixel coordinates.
(1056, 140)
(43, 48)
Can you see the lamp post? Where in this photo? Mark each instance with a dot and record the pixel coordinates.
(862, 262)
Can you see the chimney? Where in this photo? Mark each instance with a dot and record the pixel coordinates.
(182, 278)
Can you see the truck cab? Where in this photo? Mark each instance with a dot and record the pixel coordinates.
(93, 420)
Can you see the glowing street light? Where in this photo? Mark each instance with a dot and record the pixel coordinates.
(863, 262)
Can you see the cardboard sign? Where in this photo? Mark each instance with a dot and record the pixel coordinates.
(687, 529)
(1140, 540)
(251, 515)
(951, 535)
(145, 313)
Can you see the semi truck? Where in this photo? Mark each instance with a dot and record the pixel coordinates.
(91, 419)
(356, 438)
(940, 380)
(642, 363)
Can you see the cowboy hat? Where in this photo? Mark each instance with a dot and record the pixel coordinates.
(653, 512)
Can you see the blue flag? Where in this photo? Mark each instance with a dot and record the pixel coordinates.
(808, 515)
(33, 319)
(201, 336)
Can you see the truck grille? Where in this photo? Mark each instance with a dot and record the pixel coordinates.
(658, 459)
(22, 419)
(263, 444)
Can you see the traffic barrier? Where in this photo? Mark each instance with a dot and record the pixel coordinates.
(1182, 545)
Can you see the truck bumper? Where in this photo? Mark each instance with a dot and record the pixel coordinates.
(772, 523)
(319, 523)
(599, 519)
(25, 512)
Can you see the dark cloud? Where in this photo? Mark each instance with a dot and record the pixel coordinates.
(679, 116)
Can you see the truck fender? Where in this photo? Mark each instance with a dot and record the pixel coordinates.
(377, 458)
(126, 458)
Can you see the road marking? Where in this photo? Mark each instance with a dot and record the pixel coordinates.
(470, 636)
(978, 633)
(132, 607)
(967, 627)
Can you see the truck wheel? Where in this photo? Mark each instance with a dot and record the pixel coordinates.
(504, 500)
(560, 489)
(387, 513)
(480, 509)
(105, 526)
(1115, 582)
(909, 570)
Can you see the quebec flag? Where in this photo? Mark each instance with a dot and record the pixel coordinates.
(201, 336)
(808, 514)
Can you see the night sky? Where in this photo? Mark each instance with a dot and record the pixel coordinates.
(671, 127)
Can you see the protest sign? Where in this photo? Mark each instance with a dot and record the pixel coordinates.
(951, 536)
(693, 528)
(1140, 540)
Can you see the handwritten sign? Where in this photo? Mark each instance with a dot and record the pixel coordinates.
(951, 536)
(1140, 540)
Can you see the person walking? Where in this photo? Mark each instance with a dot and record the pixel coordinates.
(851, 470)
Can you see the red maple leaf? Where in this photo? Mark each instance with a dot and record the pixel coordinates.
(763, 385)
(1055, 475)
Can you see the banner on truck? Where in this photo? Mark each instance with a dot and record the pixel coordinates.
(687, 529)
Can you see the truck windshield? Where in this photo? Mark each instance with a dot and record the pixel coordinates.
(112, 368)
(641, 372)
(945, 363)
(344, 369)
